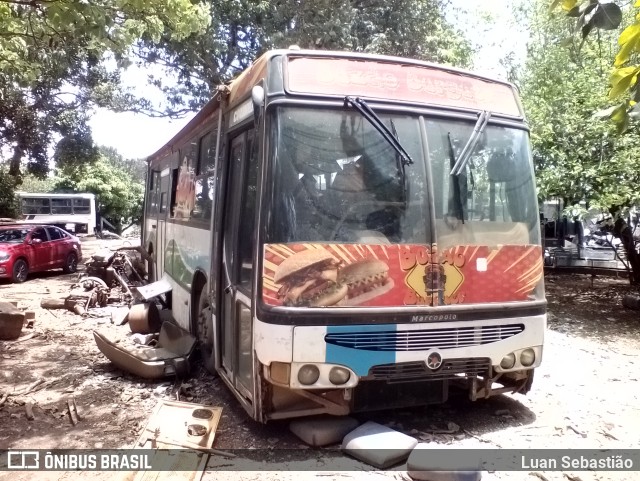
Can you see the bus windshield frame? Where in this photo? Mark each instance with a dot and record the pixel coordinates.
(501, 155)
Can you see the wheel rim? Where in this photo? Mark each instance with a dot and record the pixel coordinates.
(21, 271)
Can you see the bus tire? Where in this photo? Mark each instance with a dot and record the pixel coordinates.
(204, 329)
(70, 263)
(20, 271)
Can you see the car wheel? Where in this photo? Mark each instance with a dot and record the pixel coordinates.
(71, 263)
(20, 271)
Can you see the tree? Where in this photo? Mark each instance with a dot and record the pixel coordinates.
(577, 158)
(8, 204)
(119, 195)
(239, 31)
(36, 185)
(58, 59)
(599, 15)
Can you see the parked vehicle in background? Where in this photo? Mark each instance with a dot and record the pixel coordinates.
(73, 212)
(33, 248)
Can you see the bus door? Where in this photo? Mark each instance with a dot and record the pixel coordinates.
(152, 205)
(237, 264)
(161, 224)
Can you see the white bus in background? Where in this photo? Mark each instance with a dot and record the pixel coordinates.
(73, 212)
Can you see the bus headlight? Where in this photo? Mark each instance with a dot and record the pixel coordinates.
(339, 375)
(508, 361)
(527, 357)
(308, 374)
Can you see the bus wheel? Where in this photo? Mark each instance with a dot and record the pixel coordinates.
(205, 330)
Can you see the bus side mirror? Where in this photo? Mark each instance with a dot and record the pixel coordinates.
(257, 97)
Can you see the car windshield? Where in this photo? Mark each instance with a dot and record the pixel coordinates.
(336, 179)
(13, 236)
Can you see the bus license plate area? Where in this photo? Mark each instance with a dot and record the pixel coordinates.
(375, 395)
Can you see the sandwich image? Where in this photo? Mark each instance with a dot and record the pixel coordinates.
(309, 278)
(365, 280)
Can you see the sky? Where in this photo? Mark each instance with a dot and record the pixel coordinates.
(488, 24)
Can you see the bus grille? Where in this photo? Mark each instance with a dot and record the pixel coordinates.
(424, 339)
(451, 368)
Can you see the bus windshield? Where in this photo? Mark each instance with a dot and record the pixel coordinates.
(337, 179)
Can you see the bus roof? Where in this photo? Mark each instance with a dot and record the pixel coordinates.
(336, 73)
(84, 195)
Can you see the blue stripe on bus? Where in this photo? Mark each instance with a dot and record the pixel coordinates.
(360, 361)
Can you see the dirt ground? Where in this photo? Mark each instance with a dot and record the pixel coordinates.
(585, 394)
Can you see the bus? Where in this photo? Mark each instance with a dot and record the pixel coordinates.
(73, 212)
(347, 232)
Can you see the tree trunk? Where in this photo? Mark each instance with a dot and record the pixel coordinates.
(623, 231)
(16, 160)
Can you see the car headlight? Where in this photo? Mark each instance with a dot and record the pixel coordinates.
(4, 256)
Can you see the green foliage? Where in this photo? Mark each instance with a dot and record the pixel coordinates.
(32, 184)
(596, 14)
(577, 157)
(8, 203)
(58, 59)
(119, 196)
(241, 30)
(136, 168)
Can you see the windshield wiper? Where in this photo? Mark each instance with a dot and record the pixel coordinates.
(400, 165)
(468, 149)
(455, 191)
(366, 111)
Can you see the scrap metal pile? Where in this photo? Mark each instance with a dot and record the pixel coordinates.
(154, 348)
(109, 278)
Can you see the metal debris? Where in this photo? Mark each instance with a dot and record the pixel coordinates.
(111, 278)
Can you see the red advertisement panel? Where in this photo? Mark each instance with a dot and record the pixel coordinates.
(314, 275)
(411, 83)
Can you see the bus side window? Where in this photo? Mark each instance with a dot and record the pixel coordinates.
(163, 202)
(152, 194)
(205, 181)
(81, 206)
(174, 192)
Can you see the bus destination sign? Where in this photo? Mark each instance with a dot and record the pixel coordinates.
(400, 82)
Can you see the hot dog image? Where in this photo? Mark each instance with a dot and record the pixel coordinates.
(310, 278)
(365, 279)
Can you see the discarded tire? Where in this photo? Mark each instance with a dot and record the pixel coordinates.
(144, 318)
(632, 302)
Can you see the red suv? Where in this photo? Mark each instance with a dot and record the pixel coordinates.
(33, 248)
